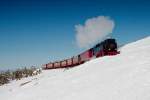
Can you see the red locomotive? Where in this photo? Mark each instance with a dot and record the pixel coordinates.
(107, 47)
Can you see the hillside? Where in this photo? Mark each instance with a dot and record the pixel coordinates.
(122, 77)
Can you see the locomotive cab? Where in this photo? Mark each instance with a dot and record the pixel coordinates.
(98, 50)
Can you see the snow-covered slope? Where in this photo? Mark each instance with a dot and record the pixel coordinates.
(122, 77)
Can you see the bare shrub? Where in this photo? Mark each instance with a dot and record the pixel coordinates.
(7, 76)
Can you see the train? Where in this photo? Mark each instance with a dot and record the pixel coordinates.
(107, 47)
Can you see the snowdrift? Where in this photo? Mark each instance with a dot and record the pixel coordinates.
(122, 77)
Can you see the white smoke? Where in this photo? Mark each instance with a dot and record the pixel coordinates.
(94, 30)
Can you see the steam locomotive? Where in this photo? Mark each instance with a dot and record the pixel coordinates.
(107, 47)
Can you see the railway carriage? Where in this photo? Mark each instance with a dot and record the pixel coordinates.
(69, 62)
(57, 65)
(63, 63)
(50, 65)
(85, 56)
(75, 60)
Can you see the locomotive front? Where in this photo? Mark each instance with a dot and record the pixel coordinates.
(110, 47)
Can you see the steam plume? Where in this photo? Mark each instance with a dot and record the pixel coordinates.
(94, 30)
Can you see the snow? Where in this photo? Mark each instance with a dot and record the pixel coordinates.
(122, 77)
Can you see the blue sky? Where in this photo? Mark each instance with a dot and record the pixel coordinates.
(34, 32)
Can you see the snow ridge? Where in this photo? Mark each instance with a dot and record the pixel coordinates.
(122, 77)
